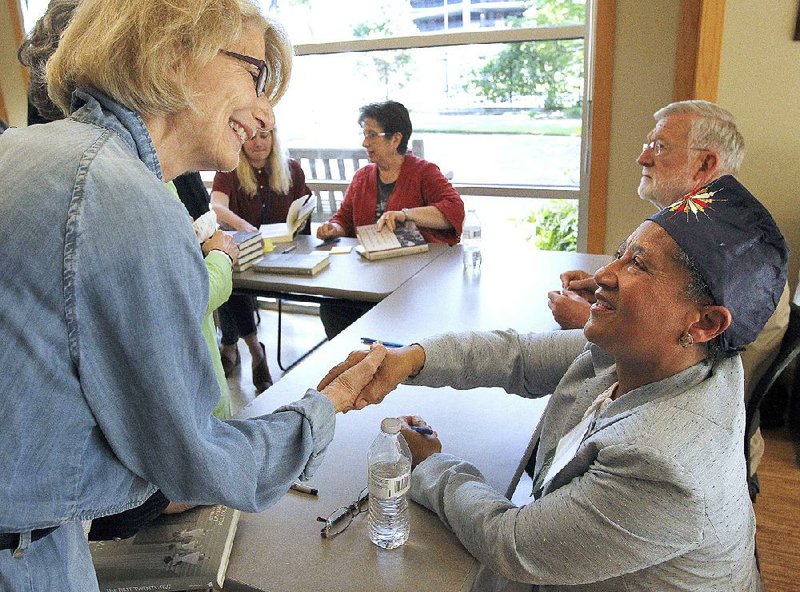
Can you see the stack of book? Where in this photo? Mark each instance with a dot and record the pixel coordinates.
(251, 247)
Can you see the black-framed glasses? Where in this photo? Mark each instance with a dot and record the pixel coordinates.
(260, 79)
(341, 518)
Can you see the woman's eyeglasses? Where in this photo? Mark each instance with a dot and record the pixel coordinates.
(341, 518)
(260, 79)
(373, 135)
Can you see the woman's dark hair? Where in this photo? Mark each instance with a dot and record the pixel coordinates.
(697, 291)
(37, 48)
(392, 117)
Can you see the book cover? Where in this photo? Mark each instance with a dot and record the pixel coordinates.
(293, 263)
(244, 240)
(405, 240)
(299, 213)
(177, 552)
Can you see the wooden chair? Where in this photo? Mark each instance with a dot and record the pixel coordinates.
(328, 173)
(790, 348)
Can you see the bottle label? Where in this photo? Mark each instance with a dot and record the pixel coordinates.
(389, 487)
(469, 233)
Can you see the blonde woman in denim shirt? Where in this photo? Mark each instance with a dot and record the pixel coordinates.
(101, 318)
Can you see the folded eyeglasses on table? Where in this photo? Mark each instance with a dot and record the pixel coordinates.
(341, 518)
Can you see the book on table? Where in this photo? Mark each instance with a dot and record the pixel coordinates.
(299, 213)
(293, 263)
(187, 551)
(384, 244)
(251, 247)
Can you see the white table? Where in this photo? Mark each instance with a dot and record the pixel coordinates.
(281, 548)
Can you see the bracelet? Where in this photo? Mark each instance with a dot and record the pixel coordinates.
(407, 214)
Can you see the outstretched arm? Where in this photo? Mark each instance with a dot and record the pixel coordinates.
(397, 365)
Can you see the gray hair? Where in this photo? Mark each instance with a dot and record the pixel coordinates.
(712, 127)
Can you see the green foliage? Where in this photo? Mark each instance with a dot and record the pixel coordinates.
(555, 227)
(551, 69)
(390, 66)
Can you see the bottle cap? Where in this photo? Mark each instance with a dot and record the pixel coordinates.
(390, 425)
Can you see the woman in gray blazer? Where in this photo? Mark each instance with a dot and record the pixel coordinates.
(639, 473)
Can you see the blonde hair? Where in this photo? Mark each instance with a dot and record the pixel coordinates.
(280, 177)
(143, 54)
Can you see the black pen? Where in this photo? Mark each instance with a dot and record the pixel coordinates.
(289, 249)
(370, 341)
(330, 241)
(422, 430)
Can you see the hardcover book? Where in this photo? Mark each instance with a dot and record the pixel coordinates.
(246, 241)
(293, 263)
(251, 247)
(176, 552)
(405, 240)
(299, 213)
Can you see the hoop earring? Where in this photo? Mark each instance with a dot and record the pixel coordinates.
(686, 340)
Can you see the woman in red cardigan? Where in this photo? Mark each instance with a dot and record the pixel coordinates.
(395, 187)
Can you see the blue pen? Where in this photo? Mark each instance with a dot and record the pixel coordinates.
(422, 430)
(330, 241)
(370, 341)
(289, 249)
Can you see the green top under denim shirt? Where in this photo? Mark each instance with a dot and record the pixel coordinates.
(220, 286)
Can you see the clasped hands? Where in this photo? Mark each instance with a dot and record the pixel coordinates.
(366, 377)
(571, 305)
(393, 367)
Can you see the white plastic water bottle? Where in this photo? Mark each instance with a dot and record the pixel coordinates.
(471, 241)
(389, 479)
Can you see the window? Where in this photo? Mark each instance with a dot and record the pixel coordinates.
(496, 89)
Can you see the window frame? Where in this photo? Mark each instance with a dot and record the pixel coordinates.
(583, 32)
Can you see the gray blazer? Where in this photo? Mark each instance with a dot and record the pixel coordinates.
(655, 498)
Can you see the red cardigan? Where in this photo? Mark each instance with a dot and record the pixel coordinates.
(420, 183)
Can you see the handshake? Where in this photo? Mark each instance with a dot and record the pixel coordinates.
(366, 377)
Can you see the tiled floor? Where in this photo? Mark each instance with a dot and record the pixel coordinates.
(300, 332)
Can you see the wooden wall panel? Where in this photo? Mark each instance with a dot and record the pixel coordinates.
(600, 132)
(698, 49)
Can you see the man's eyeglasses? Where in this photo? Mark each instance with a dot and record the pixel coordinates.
(659, 148)
(372, 135)
(260, 79)
(341, 518)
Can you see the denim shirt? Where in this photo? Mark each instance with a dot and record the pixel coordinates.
(107, 384)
